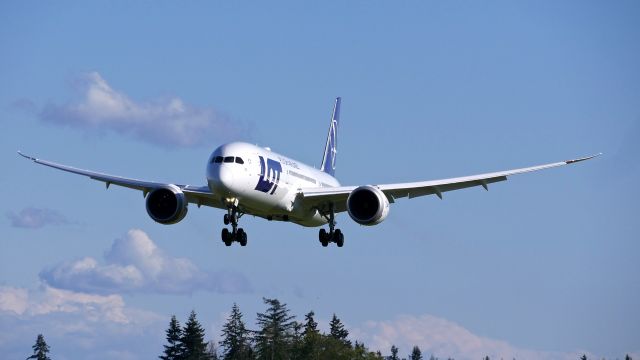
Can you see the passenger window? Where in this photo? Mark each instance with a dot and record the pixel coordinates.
(217, 160)
(228, 159)
(239, 160)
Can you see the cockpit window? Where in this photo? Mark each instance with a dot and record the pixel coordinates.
(239, 160)
(217, 159)
(228, 159)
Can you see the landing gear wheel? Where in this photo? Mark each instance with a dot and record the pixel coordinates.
(338, 237)
(227, 237)
(242, 237)
(323, 236)
(334, 235)
(235, 233)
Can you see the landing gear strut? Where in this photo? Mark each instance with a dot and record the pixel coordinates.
(334, 235)
(236, 234)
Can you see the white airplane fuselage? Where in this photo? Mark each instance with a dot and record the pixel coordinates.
(264, 183)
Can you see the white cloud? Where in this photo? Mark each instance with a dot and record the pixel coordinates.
(35, 218)
(135, 263)
(13, 299)
(168, 122)
(51, 300)
(443, 338)
(77, 325)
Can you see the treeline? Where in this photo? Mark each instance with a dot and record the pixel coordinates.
(278, 336)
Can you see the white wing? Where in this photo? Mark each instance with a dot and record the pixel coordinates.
(200, 195)
(320, 197)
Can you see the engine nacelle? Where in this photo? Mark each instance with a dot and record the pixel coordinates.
(367, 205)
(167, 205)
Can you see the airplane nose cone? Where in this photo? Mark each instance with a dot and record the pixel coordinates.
(226, 178)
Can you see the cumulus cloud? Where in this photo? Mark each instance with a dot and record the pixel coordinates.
(51, 300)
(13, 300)
(166, 122)
(134, 263)
(444, 338)
(35, 218)
(79, 325)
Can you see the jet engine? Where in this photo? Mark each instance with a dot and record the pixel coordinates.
(367, 205)
(167, 204)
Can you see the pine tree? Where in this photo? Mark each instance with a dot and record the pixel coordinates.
(297, 342)
(40, 349)
(174, 350)
(193, 339)
(310, 325)
(416, 354)
(337, 330)
(275, 331)
(309, 347)
(394, 353)
(235, 337)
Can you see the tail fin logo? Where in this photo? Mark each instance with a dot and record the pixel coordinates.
(334, 151)
(331, 147)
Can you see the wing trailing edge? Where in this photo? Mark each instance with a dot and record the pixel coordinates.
(338, 195)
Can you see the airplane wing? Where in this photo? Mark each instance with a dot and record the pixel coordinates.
(199, 195)
(320, 197)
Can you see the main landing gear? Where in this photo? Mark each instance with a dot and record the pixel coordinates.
(236, 234)
(334, 235)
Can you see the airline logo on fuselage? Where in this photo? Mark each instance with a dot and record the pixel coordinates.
(269, 175)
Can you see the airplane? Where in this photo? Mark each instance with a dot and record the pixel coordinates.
(243, 178)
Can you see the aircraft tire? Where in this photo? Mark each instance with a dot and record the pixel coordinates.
(226, 237)
(242, 237)
(322, 235)
(226, 219)
(338, 237)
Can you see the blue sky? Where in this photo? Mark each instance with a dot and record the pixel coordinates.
(543, 266)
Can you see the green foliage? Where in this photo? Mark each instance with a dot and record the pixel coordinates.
(310, 324)
(235, 337)
(175, 349)
(275, 331)
(278, 337)
(338, 332)
(40, 349)
(394, 353)
(416, 354)
(195, 348)
(308, 347)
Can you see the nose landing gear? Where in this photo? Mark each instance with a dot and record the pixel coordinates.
(236, 234)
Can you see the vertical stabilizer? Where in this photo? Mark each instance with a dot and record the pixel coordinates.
(331, 148)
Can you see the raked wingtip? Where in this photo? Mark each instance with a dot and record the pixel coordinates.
(583, 158)
(26, 156)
